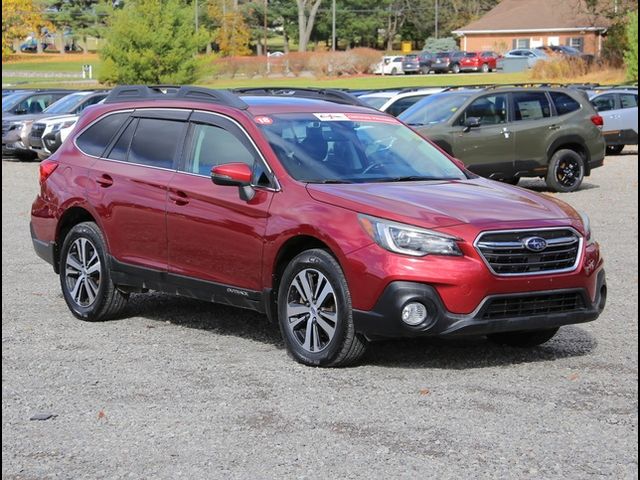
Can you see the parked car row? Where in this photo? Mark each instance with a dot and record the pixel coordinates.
(340, 223)
(440, 62)
(36, 122)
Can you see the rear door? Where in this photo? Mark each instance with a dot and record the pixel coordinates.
(213, 234)
(129, 186)
(489, 149)
(629, 117)
(535, 127)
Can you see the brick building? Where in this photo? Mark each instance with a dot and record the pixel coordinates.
(535, 23)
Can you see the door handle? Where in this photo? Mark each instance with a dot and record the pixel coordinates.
(104, 180)
(506, 132)
(179, 198)
(554, 127)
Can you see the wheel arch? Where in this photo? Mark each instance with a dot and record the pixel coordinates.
(571, 142)
(69, 219)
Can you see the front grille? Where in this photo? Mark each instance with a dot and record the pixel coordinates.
(37, 130)
(531, 305)
(507, 252)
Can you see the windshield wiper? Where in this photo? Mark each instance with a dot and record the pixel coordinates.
(409, 178)
(330, 182)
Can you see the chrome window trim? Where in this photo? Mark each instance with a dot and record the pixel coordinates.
(277, 187)
(532, 230)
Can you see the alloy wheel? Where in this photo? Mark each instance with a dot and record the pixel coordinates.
(83, 272)
(312, 310)
(569, 172)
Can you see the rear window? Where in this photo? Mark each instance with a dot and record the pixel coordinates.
(155, 142)
(97, 137)
(564, 103)
(628, 100)
(471, 54)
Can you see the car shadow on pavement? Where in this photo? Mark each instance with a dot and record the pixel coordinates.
(210, 317)
(539, 186)
(471, 353)
(454, 354)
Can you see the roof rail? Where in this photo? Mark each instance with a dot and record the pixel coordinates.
(328, 95)
(128, 93)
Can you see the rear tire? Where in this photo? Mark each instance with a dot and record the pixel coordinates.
(315, 313)
(524, 339)
(85, 277)
(394, 71)
(455, 68)
(485, 68)
(566, 171)
(614, 149)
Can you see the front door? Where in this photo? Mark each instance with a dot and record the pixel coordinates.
(213, 234)
(487, 150)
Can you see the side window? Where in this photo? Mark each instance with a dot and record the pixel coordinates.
(212, 146)
(121, 148)
(155, 142)
(97, 137)
(401, 105)
(629, 100)
(604, 103)
(491, 110)
(531, 105)
(564, 103)
(35, 104)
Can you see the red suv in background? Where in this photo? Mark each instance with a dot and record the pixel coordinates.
(339, 222)
(479, 62)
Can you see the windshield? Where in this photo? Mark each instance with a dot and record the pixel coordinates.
(65, 104)
(434, 109)
(354, 148)
(10, 100)
(470, 54)
(375, 102)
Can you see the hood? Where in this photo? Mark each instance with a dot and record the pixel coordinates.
(59, 118)
(23, 118)
(444, 204)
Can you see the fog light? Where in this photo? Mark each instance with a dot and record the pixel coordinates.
(414, 314)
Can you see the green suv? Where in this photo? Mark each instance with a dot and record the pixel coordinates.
(507, 133)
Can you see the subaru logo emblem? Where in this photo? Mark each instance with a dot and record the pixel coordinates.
(535, 244)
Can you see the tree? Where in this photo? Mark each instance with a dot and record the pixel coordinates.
(307, 12)
(153, 42)
(79, 19)
(19, 19)
(631, 55)
(231, 31)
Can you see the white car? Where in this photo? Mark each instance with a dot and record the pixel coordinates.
(390, 65)
(396, 102)
(47, 135)
(619, 109)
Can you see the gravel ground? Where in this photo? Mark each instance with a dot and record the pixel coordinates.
(184, 389)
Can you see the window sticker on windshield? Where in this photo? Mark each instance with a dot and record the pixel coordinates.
(355, 117)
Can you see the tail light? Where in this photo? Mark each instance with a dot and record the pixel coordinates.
(47, 167)
(598, 121)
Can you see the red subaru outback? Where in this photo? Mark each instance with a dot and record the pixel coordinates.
(339, 222)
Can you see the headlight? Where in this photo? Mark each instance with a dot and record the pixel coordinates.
(409, 240)
(586, 222)
(61, 125)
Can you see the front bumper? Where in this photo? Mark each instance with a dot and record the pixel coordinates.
(468, 68)
(440, 67)
(384, 321)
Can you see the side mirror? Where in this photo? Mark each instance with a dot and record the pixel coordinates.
(235, 175)
(471, 122)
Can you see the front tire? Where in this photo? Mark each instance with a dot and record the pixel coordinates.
(566, 171)
(524, 339)
(315, 313)
(485, 68)
(455, 68)
(85, 277)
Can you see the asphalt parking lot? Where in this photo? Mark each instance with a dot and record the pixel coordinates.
(184, 389)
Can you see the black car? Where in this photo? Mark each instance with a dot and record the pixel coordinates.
(446, 62)
(426, 61)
